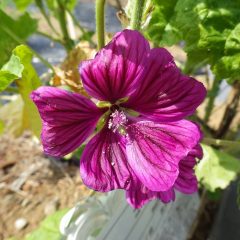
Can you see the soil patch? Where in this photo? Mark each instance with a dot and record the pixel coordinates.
(33, 186)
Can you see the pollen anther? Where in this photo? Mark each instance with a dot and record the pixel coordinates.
(117, 121)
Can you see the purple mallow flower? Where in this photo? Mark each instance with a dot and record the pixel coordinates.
(138, 194)
(139, 140)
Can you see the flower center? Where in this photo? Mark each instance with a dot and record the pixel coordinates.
(117, 121)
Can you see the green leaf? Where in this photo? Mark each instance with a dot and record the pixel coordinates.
(217, 169)
(22, 4)
(211, 40)
(29, 82)
(20, 69)
(204, 36)
(210, 30)
(11, 71)
(228, 67)
(49, 227)
(68, 4)
(207, 49)
(232, 45)
(160, 23)
(14, 66)
(6, 78)
(216, 195)
(14, 32)
(52, 4)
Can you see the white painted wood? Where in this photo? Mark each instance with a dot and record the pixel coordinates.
(155, 221)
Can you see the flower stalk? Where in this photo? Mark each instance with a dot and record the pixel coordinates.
(50, 37)
(40, 6)
(211, 98)
(100, 23)
(221, 142)
(68, 42)
(137, 13)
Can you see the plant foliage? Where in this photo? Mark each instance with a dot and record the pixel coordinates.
(217, 169)
(14, 32)
(210, 31)
(49, 227)
(20, 69)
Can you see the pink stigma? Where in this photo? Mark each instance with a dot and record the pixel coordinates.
(117, 120)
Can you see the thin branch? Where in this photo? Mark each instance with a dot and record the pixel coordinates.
(221, 142)
(50, 37)
(212, 94)
(39, 4)
(230, 112)
(68, 42)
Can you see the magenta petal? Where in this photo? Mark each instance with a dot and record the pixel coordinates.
(137, 199)
(197, 152)
(187, 181)
(116, 69)
(138, 195)
(68, 119)
(167, 196)
(154, 151)
(103, 164)
(164, 93)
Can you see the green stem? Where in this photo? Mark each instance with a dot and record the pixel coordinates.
(100, 23)
(136, 18)
(211, 98)
(50, 37)
(68, 42)
(20, 41)
(40, 6)
(220, 142)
